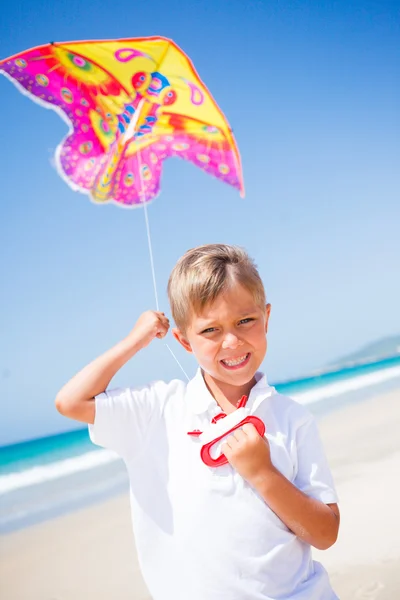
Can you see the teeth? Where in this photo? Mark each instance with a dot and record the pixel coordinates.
(235, 362)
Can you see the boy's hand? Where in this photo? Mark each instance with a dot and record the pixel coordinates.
(248, 453)
(150, 324)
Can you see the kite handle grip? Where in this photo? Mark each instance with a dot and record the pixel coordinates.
(222, 460)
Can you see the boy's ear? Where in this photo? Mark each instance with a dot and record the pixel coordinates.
(267, 315)
(178, 335)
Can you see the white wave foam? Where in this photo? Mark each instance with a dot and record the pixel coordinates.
(66, 499)
(346, 385)
(55, 470)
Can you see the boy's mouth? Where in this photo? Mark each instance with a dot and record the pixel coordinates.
(236, 363)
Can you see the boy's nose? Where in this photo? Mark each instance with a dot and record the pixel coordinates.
(231, 341)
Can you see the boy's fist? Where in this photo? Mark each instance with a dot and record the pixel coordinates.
(149, 325)
(248, 453)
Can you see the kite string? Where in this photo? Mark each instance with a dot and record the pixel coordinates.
(153, 271)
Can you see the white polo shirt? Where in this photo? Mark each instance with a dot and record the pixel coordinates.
(204, 533)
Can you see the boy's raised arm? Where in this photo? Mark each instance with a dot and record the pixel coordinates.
(76, 399)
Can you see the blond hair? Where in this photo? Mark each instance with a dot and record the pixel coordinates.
(203, 273)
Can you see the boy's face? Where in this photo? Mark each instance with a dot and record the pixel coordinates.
(228, 338)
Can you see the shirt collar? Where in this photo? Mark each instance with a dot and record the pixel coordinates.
(201, 401)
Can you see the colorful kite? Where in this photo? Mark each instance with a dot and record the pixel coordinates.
(130, 104)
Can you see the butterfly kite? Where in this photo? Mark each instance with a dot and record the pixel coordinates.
(130, 104)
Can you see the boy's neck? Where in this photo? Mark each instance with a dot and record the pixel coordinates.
(225, 394)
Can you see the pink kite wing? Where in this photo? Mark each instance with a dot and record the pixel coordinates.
(203, 145)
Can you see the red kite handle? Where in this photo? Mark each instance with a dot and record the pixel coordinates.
(222, 460)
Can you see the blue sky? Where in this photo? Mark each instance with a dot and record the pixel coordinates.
(311, 90)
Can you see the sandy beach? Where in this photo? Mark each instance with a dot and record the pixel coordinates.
(90, 553)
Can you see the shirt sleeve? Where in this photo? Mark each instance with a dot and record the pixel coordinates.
(125, 416)
(313, 476)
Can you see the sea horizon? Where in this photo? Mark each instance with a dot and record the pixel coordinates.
(284, 386)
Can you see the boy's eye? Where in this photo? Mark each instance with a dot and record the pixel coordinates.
(247, 320)
(208, 330)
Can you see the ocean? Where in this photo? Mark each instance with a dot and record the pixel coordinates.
(47, 477)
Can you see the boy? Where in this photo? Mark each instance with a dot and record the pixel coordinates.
(243, 530)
